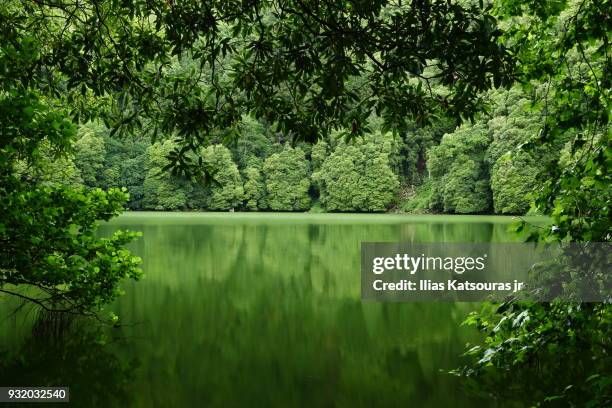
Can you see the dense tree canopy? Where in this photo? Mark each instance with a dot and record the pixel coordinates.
(227, 192)
(564, 45)
(254, 189)
(308, 66)
(287, 180)
(163, 190)
(459, 173)
(483, 167)
(513, 179)
(90, 152)
(47, 229)
(357, 176)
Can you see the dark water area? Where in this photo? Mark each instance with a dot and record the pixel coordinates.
(261, 310)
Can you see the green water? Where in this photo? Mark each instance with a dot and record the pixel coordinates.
(265, 310)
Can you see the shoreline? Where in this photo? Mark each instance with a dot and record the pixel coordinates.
(307, 217)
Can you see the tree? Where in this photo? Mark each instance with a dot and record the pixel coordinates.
(460, 180)
(514, 171)
(49, 169)
(513, 179)
(565, 45)
(226, 190)
(254, 189)
(106, 162)
(89, 152)
(162, 190)
(417, 140)
(308, 66)
(338, 179)
(252, 143)
(165, 191)
(287, 180)
(48, 240)
(357, 176)
(320, 152)
(125, 165)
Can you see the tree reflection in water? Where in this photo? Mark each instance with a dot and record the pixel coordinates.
(64, 350)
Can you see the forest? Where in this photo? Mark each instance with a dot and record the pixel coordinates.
(473, 168)
(424, 106)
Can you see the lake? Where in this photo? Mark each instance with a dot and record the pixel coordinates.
(244, 309)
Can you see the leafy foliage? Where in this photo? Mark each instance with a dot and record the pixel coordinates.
(90, 152)
(49, 252)
(307, 66)
(564, 45)
(254, 189)
(553, 354)
(162, 190)
(227, 191)
(287, 180)
(357, 176)
(474, 171)
(458, 171)
(70, 268)
(125, 166)
(513, 170)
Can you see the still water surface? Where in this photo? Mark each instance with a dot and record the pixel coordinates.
(264, 310)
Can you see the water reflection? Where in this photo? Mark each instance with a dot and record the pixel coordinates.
(265, 310)
(62, 351)
(260, 310)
